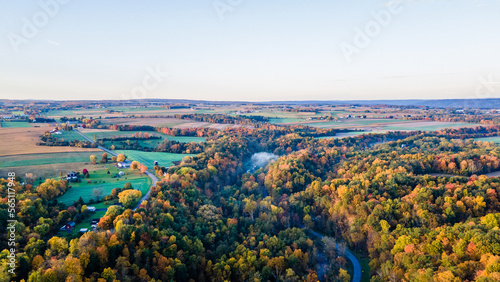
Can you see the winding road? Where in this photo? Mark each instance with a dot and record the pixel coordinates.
(151, 175)
(356, 265)
(355, 262)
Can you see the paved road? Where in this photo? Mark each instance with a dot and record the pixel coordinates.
(357, 266)
(92, 141)
(148, 194)
(151, 175)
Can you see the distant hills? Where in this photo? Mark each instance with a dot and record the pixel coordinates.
(443, 103)
(491, 103)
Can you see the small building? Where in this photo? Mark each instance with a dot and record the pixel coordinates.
(123, 164)
(92, 209)
(69, 226)
(95, 221)
(73, 176)
(84, 230)
(55, 131)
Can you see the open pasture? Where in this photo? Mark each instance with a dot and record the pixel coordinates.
(148, 158)
(100, 179)
(44, 159)
(15, 124)
(494, 139)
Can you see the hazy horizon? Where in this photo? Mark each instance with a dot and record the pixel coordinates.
(250, 51)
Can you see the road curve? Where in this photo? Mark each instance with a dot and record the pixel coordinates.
(151, 175)
(148, 194)
(355, 262)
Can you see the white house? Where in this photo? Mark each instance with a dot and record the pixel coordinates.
(123, 164)
(72, 176)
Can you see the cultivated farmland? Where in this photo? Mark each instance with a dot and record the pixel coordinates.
(148, 158)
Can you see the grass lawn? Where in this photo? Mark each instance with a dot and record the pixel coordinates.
(45, 159)
(87, 223)
(15, 124)
(100, 179)
(148, 158)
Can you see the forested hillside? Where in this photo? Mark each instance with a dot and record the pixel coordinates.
(212, 218)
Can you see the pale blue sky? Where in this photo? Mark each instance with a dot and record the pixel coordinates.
(260, 50)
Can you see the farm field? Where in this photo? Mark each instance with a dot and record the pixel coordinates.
(494, 139)
(345, 135)
(384, 125)
(100, 134)
(22, 141)
(44, 159)
(428, 126)
(148, 158)
(152, 143)
(69, 136)
(15, 124)
(101, 180)
(350, 123)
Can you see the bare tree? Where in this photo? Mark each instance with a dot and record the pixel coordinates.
(97, 193)
(30, 178)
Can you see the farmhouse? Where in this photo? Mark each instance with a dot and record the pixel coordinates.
(73, 176)
(125, 164)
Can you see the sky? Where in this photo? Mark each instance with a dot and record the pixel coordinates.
(249, 50)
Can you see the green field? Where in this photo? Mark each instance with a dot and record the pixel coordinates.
(345, 134)
(59, 113)
(430, 127)
(148, 158)
(135, 109)
(69, 136)
(15, 124)
(353, 123)
(185, 139)
(145, 143)
(100, 179)
(112, 133)
(45, 159)
(284, 120)
(494, 139)
(152, 143)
